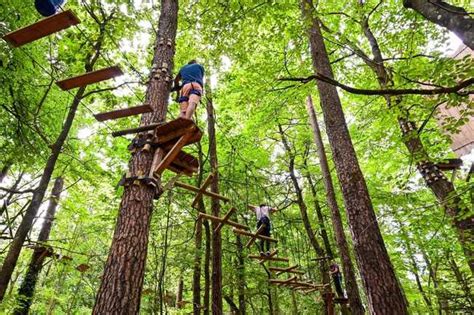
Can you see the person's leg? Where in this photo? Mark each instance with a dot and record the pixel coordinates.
(184, 100)
(338, 285)
(266, 232)
(194, 98)
(259, 223)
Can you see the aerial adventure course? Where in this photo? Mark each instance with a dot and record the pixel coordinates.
(236, 157)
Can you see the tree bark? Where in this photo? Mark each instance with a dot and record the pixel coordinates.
(382, 288)
(179, 293)
(122, 281)
(241, 274)
(456, 19)
(207, 269)
(4, 171)
(197, 307)
(442, 188)
(27, 288)
(215, 208)
(350, 281)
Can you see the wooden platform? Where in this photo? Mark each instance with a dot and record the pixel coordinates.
(124, 112)
(42, 28)
(90, 78)
(172, 130)
(184, 163)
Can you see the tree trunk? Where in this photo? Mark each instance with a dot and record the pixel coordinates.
(350, 281)
(122, 281)
(435, 180)
(323, 266)
(4, 171)
(179, 293)
(198, 246)
(241, 274)
(27, 288)
(207, 269)
(456, 19)
(215, 207)
(382, 288)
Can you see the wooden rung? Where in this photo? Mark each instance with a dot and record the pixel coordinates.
(311, 290)
(171, 155)
(219, 220)
(291, 269)
(279, 281)
(206, 193)
(253, 239)
(450, 164)
(224, 220)
(265, 258)
(268, 257)
(135, 130)
(90, 78)
(124, 112)
(42, 28)
(202, 189)
(263, 237)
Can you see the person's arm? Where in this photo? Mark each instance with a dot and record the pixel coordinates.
(252, 208)
(176, 81)
(272, 210)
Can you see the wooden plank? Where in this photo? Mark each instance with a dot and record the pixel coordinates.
(280, 281)
(217, 219)
(253, 239)
(291, 269)
(224, 220)
(237, 231)
(124, 112)
(173, 125)
(268, 257)
(450, 164)
(265, 258)
(202, 189)
(42, 28)
(135, 130)
(90, 78)
(170, 156)
(186, 161)
(179, 170)
(206, 193)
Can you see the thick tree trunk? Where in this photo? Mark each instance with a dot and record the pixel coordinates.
(441, 187)
(122, 281)
(456, 19)
(382, 288)
(323, 266)
(350, 281)
(215, 207)
(27, 288)
(16, 245)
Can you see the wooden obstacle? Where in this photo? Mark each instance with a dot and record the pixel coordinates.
(282, 282)
(90, 78)
(124, 112)
(202, 189)
(157, 168)
(174, 129)
(42, 28)
(224, 220)
(206, 193)
(291, 269)
(253, 239)
(135, 130)
(262, 237)
(221, 221)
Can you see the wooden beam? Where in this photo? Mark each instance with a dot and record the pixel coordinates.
(265, 258)
(263, 237)
(217, 219)
(42, 28)
(135, 130)
(124, 112)
(202, 189)
(291, 269)
(171, 154)
(268, 257)
(224, 220)
(450, 164)
(253, 239)
(206, 193)
(285, 281)
(90, 78)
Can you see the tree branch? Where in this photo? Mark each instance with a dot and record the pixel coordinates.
(452, 89)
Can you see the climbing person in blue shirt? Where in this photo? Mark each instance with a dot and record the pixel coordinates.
(190, 93)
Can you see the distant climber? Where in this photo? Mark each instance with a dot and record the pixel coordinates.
(48, 7)
(190, 91)
(337, 279)
(263, 218)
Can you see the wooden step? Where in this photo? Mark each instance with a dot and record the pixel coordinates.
(42, 28)
(185, 161)
(90, 78)
(166, 133)
(450, 164)
(124, 112)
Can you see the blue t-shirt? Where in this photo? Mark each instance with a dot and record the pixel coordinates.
(192, 73)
